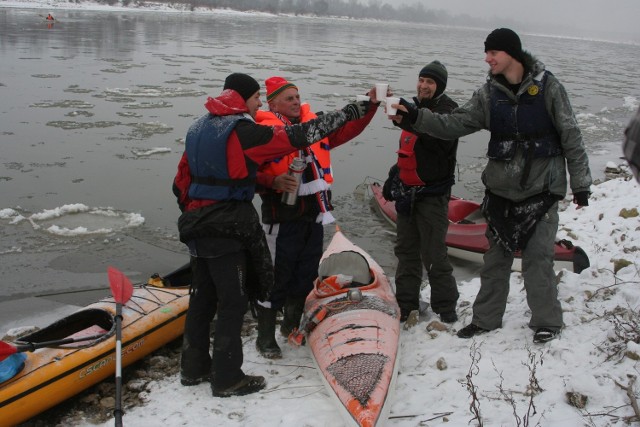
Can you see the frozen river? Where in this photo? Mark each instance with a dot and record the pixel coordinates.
(94, 109)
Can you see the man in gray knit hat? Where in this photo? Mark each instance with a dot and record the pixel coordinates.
(420, 183)
(535, 140)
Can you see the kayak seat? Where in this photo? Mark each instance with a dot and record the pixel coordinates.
(347, 263)
(91, 321)
(341, 271)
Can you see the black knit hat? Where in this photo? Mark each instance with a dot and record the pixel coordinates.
(438, 72)
(244, 84)
(505, 40)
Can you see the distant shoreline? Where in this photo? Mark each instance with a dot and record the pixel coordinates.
(88, 5)
(148, 7)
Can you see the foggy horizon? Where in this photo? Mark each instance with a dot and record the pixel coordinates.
(614, 20)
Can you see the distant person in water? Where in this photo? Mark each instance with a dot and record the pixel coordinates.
(631, 146)
(50, 18)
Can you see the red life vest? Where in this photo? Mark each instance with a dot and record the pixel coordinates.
(407, 162)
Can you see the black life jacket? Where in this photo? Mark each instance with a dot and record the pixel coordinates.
(524, 123)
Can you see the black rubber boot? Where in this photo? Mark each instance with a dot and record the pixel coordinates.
(195, 364)
(293, 309)
(266, 341)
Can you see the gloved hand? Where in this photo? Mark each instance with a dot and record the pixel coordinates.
(356, 110)
(386, 188)
(412, 111)
(581, 198)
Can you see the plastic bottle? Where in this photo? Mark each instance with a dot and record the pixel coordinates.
(296, 168)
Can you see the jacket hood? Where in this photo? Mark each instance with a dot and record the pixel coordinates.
(229, 102)
(532, 64)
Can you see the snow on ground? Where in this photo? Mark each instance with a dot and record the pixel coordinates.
(508, 372)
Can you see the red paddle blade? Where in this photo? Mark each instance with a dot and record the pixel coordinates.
(121, 286)
(7, 350)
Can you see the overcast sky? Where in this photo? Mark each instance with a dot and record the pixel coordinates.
(599, 15)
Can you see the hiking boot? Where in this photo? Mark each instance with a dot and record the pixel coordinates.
(266, 342)
(470, 330)
(189, 381)
(449, 317)
(412, 319)
(249, 384)
(543, 335)
(404, 314)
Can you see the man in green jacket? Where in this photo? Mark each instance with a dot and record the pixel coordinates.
(534, 141)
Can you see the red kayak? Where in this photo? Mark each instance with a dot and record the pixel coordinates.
(466, 237)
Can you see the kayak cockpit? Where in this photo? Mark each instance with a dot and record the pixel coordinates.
(342, 271)
(85, 327)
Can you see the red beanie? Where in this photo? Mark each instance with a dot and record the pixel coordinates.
(275, 86)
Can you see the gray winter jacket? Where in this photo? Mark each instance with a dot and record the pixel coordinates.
(502, 177)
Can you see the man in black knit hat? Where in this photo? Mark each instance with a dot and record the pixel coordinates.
(230, 260)
(535, 140)
(420, 183)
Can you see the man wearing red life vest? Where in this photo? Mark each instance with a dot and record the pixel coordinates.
(420, 183)
(295, 233)
(230, 261)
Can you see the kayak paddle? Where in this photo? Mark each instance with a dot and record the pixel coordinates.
(122, 289)
(7, 349)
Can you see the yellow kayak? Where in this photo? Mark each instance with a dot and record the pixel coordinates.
(153, 316)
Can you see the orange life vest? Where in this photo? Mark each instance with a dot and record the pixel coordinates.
(320, 149)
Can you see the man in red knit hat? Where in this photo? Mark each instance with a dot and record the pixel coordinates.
(295, 233)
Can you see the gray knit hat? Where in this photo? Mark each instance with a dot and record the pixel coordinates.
(438, 72)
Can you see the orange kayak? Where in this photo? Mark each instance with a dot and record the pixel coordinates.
(352, 322)
(153, 316)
